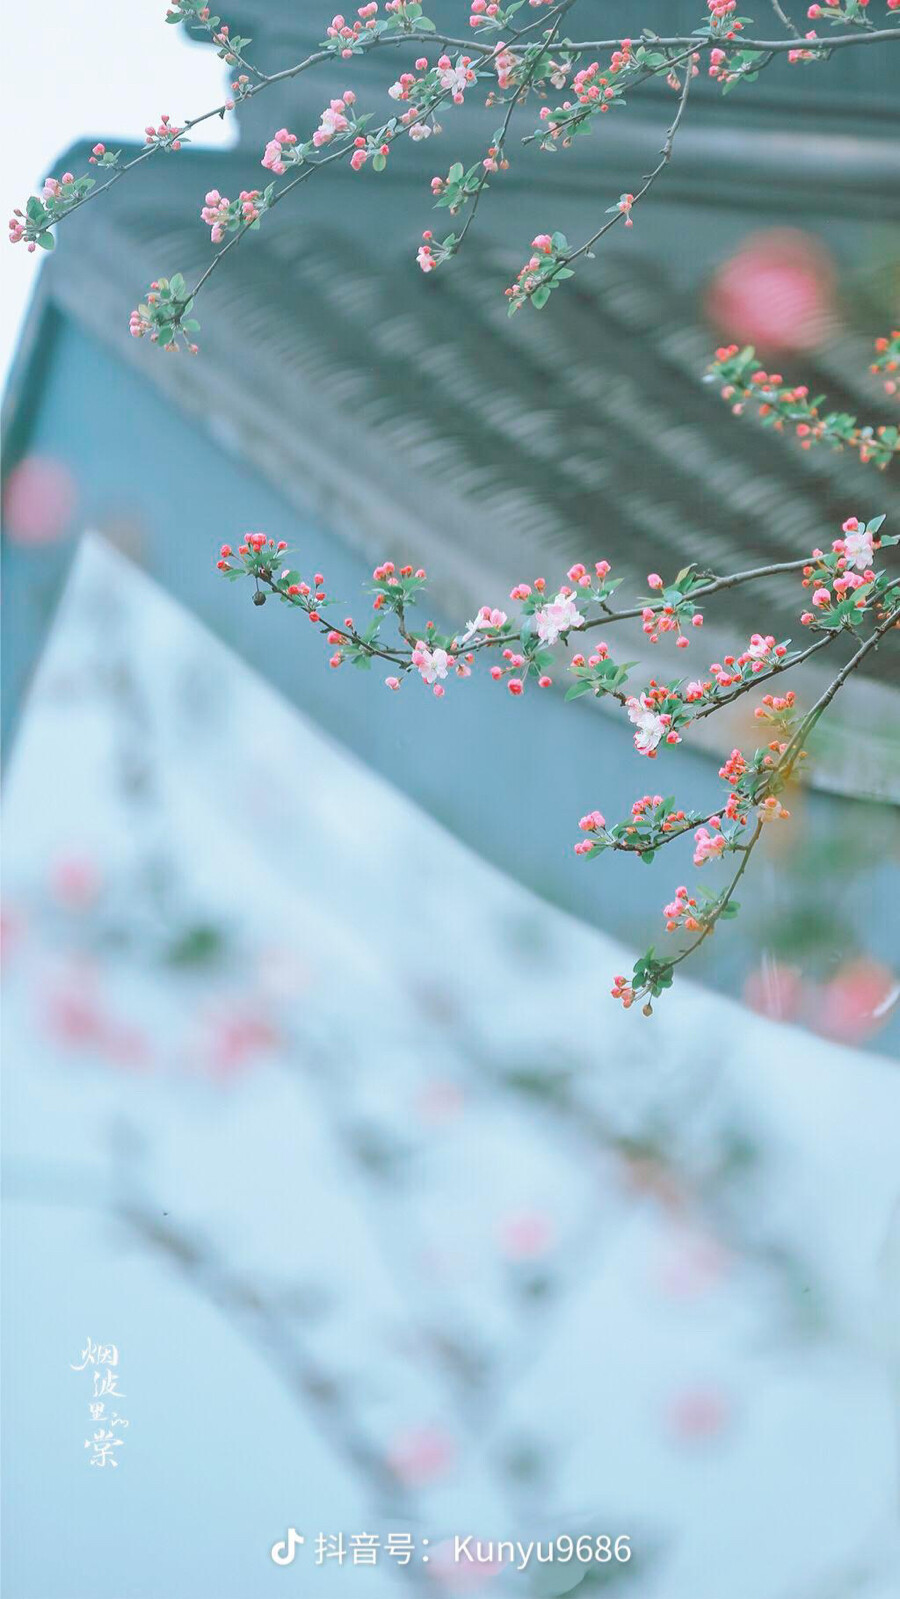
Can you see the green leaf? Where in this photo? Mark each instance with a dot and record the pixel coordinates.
(46, 241)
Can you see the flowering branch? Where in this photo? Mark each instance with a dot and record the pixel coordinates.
(779, 406)
(848, 593)
(521, 62)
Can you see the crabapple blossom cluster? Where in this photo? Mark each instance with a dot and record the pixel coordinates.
(455, 78)
(887, 356)
(101, 157)
(346, 36)
(722, 12)
(280, 151)
(57, 198)
(166, 136)
(843, 12)
(808, 52)
(191, 12)
(488, 14)
(333, 119)
(196, 15)
(843, 584)
(222, 215)
(652, 718)
(542, 272)
(851, 597)
(459, 186)
(284, 149)
(594, 91)
(164, 316)
(790, 408)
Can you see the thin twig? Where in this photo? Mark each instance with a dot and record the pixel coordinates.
(783, 18)
(519, 96)
(650, 179)
(842, 41)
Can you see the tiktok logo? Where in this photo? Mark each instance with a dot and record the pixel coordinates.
(283, 1553)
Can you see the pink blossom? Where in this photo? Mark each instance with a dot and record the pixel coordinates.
(557, 617)
(698, 1414)
(421, 1455)
(486, 620)
(707, 846)
(858, 1000)
(40, 500)
(650, 726)
(431, 664)
(526, 1235)
(505, 63)
(457, 78)
(273, 159)
(332, 121)
(858, 549)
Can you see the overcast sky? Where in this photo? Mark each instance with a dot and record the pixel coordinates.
(86, 69)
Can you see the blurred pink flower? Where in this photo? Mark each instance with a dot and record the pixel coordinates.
(776, 292)
(697, 1414)
(526, 1235)
(857, 1001)
(76, 1019)
(75, 881)
(421, 1455)
(775, 990)
(236, 1041)
(39, 501)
